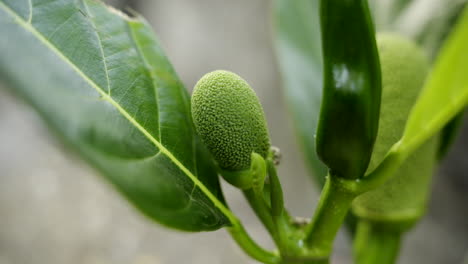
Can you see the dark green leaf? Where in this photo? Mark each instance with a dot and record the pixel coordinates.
(101, 80)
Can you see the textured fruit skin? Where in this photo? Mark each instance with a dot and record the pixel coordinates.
(403, 198)
(349, 112)
(230, 120)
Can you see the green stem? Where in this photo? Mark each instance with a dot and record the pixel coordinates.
(374, 244)
(333, 206)
(250, 247)
(385, 171)
(262, 210)
(276, 192)
(279, 216)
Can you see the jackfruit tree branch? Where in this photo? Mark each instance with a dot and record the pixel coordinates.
(333, 206)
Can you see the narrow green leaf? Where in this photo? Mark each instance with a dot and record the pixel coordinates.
(101, 80)
(445, 93)
(298, 47)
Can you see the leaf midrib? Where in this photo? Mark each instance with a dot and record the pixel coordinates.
(104, 96)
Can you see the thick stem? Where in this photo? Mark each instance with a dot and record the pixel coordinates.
(334, 203)
(374, 244)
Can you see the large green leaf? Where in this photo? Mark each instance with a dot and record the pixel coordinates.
(299, 53)
(101, 80)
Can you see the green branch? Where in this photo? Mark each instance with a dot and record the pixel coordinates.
(278, 213)
(333, 206)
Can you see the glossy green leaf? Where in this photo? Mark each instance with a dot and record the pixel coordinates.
(298, 47)
(101, 80)
(445, 93)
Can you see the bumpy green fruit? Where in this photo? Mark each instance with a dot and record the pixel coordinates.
(403, 198)
(230, 120)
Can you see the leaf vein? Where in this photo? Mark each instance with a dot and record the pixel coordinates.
(104, 60)
(151, 73)
(59, 26)
(129, 87)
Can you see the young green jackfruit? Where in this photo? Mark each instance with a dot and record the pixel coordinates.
(402, 199)
(230, 120)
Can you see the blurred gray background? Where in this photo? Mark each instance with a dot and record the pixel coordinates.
(54, 209)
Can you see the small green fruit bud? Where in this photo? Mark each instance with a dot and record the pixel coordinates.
(230, 120)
